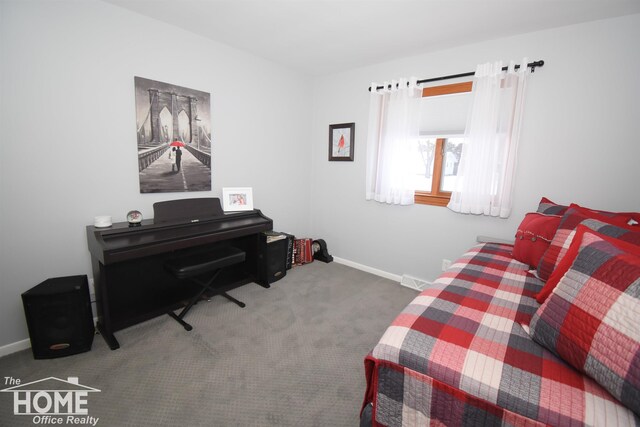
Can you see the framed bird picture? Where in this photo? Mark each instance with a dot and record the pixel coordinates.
(341, 137)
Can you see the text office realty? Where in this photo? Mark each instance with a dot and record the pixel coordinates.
(52, 401)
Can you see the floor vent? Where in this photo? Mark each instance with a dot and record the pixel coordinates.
(414, 282)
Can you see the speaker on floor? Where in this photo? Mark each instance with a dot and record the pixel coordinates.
(272, 258)
(59, 317)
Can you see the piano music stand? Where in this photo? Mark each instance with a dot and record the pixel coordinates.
(187, 210)
(195, 267)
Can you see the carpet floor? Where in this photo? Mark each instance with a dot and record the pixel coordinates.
(292, 357)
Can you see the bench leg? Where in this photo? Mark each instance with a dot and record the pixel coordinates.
(232, 299)
(178, 319)
(206, 286)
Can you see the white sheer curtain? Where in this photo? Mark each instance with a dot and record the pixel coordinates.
(488, 159)
(391, 141)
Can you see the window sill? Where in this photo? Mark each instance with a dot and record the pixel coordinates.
(423, 198)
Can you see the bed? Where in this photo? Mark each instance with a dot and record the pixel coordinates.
(460, 354)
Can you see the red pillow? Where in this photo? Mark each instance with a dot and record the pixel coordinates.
(602, 229)
(534, 236)
(562, 239)
(629, 218)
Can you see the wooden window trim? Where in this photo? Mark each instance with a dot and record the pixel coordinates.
(447, 89)
(437, 197)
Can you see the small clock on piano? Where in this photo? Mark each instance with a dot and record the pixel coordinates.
(134, 218)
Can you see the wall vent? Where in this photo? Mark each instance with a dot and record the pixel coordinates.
(414, 282)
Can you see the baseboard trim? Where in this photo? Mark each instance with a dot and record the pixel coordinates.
(15, 347)
(381, 273)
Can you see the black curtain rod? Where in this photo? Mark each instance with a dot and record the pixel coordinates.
(533, 66)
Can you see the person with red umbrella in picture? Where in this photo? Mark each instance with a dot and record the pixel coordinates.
(177, 153)
(178, 157)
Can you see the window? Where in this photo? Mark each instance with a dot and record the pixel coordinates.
(437, 169)
(438, 150)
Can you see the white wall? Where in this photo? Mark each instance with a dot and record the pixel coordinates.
(68, 150)
(579, 144)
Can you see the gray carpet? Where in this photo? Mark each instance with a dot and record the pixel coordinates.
(292, 357)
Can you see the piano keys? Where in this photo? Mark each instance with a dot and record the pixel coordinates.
(131, 284)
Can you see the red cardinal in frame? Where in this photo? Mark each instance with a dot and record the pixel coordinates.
(341, 143)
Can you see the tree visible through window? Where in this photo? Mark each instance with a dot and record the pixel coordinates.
(448, 154)
(438, 154)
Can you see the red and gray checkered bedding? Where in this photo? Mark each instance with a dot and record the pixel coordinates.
(458, 355)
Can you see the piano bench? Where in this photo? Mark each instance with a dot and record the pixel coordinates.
(195, 267)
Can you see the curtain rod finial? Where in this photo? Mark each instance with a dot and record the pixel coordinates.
(536, 64)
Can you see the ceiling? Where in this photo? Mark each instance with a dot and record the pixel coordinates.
(324, 36)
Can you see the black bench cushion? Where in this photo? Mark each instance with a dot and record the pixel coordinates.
(194, 265)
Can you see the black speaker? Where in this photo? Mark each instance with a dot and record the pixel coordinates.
(59, 317)
(272, 259)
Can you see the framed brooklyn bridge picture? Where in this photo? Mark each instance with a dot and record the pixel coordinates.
(174, 137)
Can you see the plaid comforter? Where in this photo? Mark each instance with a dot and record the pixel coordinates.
(459, 355)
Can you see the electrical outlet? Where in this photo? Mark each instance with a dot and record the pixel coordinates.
(446, 263)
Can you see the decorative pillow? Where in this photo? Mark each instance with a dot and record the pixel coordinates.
(627, 234)
(592, 319)
(562, 239)
(548, 207)
(534, 236)
(631, 218)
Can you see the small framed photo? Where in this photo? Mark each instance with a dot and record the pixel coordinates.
(237, 199)
(341, 137)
